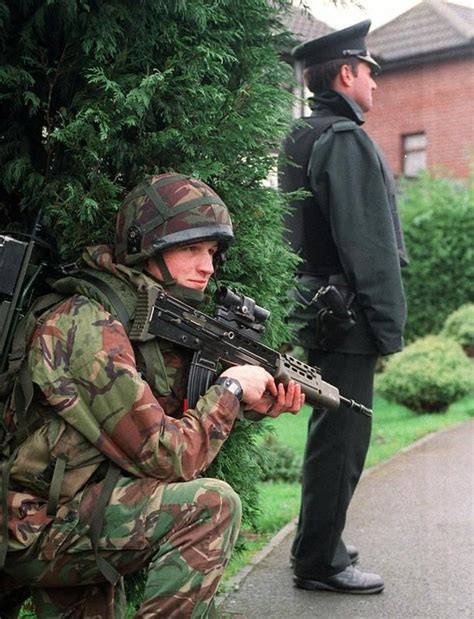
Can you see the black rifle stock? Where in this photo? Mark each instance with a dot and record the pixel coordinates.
(218, 341)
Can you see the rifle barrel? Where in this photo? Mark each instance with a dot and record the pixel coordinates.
(356, 406)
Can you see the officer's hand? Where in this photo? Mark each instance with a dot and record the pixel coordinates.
(261, 393)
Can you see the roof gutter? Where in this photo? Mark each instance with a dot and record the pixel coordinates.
(451, 53)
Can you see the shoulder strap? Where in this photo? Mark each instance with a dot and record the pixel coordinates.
(131, 307)
(97, 286)
(322, 124)
(119, 306)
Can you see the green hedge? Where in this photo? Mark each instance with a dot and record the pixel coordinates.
(428, 375)
(438, 221)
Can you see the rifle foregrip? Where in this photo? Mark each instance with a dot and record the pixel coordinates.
(317, 391)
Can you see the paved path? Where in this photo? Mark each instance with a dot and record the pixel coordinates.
(412, 519)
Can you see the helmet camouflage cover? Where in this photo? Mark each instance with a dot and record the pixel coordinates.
(168, 210)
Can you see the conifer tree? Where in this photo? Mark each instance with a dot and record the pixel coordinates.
(96, 94)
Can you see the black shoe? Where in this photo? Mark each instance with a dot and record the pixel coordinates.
(351, 551)
(351, 580)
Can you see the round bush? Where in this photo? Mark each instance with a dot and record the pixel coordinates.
(460, 327)
(428, 375)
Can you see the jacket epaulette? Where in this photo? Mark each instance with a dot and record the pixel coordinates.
(344, 125)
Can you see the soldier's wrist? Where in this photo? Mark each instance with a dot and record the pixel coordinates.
(232, 385)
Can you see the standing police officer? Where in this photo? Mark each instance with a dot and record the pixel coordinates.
(348, 234)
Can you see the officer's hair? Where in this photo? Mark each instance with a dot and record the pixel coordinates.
(319, 77)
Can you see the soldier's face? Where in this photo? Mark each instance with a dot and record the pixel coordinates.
(190, 265)
(362, 86)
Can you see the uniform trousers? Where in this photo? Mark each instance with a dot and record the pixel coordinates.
(336, 448)
(181, 533)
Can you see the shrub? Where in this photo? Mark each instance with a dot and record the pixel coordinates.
(438, 221)
(460, 327)
(281, 462)
(428, 375)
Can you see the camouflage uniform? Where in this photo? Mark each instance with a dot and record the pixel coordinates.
(95, 407)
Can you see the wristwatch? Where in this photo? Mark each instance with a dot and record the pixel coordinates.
(232, 385)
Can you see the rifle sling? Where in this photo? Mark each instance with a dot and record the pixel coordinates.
(112, 296)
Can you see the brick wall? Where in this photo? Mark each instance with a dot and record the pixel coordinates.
(437, 99)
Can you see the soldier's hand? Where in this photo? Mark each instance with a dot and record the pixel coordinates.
(261, 394)
(287, 400)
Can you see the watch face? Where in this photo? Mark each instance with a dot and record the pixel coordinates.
(232, 385)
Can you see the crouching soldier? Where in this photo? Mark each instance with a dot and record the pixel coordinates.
(107, 480)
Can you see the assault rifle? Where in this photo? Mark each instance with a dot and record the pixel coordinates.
(232, 338)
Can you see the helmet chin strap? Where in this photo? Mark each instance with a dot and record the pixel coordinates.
(188, 295)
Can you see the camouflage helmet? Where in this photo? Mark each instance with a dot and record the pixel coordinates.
(168, 210)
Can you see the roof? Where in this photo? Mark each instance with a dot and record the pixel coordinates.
(304, 25)
(431, 29)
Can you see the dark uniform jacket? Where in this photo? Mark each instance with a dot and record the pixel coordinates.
(348, 224)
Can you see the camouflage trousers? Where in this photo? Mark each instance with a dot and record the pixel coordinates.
(181, 533)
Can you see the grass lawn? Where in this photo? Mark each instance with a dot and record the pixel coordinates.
(394, 427)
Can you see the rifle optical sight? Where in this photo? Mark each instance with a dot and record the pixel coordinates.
(243, 307)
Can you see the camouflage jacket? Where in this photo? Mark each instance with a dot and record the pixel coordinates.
(97, 407)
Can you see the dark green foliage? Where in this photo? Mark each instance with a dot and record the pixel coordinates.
(94, 94)
(281, 462)
(460, 326)
(438, 220)
(97, 93)
(428, 375)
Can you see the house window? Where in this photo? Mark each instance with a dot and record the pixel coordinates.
(414, 153)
